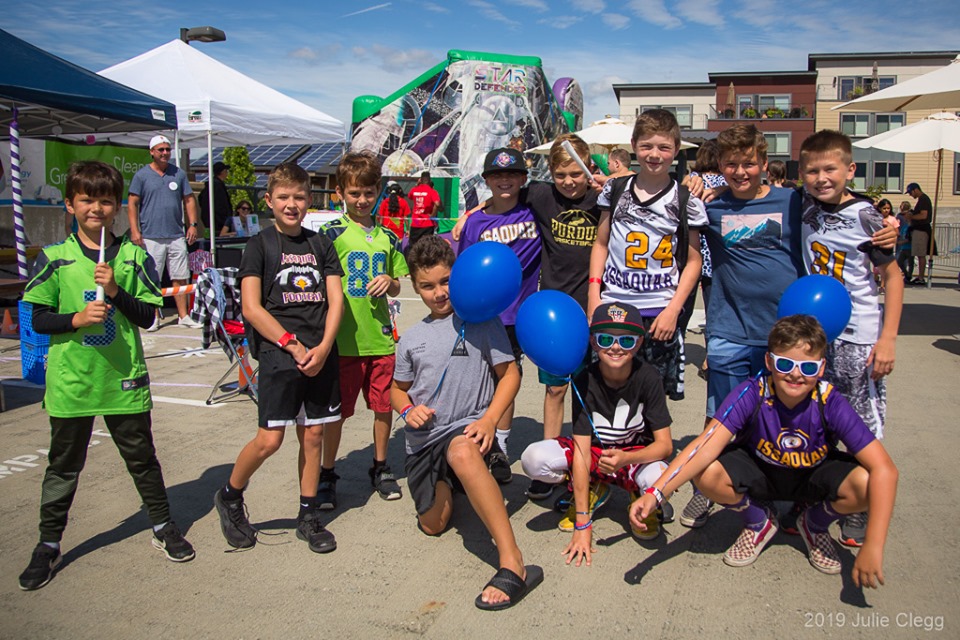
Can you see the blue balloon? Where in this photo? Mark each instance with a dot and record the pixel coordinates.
(484, 281)
(553, 332)
(822, 297)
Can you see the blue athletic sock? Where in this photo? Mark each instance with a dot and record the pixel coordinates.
(753, 515)
(820, 516)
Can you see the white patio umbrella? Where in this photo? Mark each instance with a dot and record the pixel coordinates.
(938, 89)
(937, 132)
(604, 136)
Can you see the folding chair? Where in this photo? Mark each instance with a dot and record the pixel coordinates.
(217, 307)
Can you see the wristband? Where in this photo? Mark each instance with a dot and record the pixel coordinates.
(583, 513)
(595, 280)
(285, 339)
(194, 224)
(405, 411)
(583, 527)
(656, 494)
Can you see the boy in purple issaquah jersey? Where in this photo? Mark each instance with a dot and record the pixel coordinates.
(785, 427)
(508, 222)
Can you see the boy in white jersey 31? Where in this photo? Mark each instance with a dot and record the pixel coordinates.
(634, 258)
(837, 228)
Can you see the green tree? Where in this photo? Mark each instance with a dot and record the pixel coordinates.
(241, 174)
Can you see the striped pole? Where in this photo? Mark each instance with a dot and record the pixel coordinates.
(17, 197)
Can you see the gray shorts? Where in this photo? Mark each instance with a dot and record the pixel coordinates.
(919, 243)
(848, 373)
(169, 253)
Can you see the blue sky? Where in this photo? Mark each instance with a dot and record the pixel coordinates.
(327, 53)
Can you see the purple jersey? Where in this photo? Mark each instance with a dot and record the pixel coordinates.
(518, 230)
(792, 438)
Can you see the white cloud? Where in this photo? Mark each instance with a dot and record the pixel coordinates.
(538, 5)
(367, 10)
(590, 6)
(433, 6)
(615, 21)
(654, 12)
(706, 12)
(391, 59)
(560, 22)
(316, 55)
(760, 13)
(491, 12)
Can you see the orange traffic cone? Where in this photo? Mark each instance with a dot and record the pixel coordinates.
(10, 328)
(245, 372)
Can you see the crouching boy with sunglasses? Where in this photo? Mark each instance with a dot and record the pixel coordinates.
(785, 427)
(621, 432)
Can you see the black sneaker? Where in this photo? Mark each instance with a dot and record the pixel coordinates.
(385, 483)
(234, 524)
(666, 512)
(539, 490)
(43, 564)
(169, 540)
(327, 490)
(310, 529)
(563, 501)
(499, 466)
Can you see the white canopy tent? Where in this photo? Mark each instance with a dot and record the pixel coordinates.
(216, 103)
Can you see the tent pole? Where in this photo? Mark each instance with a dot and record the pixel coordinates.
(933, 221)
(15, 186)
(213, 232)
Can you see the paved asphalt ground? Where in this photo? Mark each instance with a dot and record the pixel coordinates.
(387, 580)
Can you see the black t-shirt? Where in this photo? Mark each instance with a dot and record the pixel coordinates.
(567, 231)
(623, 417)
(923, 204)
(298, 296)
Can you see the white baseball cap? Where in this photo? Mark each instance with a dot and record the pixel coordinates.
(155, 140)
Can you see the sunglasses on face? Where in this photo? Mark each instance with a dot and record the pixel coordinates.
(162, 149)
(785, 365)
(607, 340)
(243, 208)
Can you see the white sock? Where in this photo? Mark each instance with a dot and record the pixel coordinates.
(157, 527)
(53, 545)
(502, 436)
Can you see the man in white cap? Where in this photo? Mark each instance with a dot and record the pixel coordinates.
(159, 194)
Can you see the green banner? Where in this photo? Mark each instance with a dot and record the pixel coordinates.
(60, 155)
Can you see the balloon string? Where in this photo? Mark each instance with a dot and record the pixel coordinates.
(716, 423)
(589, 420)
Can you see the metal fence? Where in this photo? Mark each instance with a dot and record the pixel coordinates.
(947, 261)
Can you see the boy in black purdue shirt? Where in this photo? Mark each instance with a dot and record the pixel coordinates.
(625, 429)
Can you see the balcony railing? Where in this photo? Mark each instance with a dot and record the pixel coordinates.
(753, 112)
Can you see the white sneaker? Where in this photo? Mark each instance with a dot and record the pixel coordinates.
(189, 323)
(155, 326)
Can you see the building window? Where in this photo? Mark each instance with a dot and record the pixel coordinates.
(852, 87)
(956, 174)
(765, 102)
(778, 144)
(889, 121)
(862, 125)
(889, 175)
(876, 167)
(683, 112)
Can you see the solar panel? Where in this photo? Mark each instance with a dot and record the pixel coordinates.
(269, 155)
(320, 155)
(272, 155)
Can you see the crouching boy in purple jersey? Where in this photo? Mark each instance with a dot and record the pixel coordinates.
(785, 427)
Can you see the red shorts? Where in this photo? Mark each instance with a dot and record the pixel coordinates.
(371, 374)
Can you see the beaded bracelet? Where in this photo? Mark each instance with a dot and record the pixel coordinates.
(583, 527)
